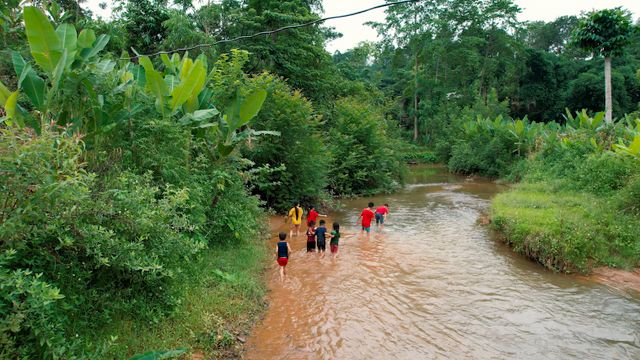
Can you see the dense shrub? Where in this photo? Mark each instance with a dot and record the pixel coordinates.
(366, 157)
(628, 199)
(104, 246)
(297, 157)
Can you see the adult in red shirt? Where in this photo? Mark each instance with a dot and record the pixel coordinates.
(313, 215)
(381, 215)
(367, 215)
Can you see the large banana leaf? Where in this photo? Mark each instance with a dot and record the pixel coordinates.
(86, 38)
(29, 81)
(191, 84)
(43, 41)
(168, 64)
(155, 84)
(100, 44)
(68, 41)
(250, 106)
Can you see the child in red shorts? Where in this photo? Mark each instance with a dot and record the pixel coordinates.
(282, 254)
(335, 239)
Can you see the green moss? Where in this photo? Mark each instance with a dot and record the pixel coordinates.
(223, 295)
(566, 231)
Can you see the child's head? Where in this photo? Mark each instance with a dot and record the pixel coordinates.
(322, 222)
(370, 204)
(386, 205)
(312, 207)
(282, 236)
(336, 226)
(312, 223)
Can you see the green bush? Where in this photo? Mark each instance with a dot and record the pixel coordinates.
(297, 158)
(107, 247)
(366, 159)
(628, 199)
(413, 154)
(486, 150)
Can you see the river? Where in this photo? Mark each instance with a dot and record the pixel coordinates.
(435, 284)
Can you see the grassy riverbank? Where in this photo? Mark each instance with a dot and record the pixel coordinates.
(569, 231)
(223, 294)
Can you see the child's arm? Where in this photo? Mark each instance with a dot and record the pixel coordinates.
(289, 247)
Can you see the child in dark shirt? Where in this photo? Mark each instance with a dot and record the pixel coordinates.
(282, 254)
(321, 236)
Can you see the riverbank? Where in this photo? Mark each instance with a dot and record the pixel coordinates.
(566, 231)
(223, 295)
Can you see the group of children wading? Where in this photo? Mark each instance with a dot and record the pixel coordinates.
(317, 236)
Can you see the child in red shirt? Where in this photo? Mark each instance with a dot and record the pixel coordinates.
(381, 215)
(367, 215)
(313, 215)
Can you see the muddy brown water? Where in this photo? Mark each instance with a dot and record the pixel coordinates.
(436, 284)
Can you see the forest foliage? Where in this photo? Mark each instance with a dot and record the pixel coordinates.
(121, 170)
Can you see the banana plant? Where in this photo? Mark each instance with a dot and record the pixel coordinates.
(67, 62)
(582, 120)
(180, 91)
(633, 149)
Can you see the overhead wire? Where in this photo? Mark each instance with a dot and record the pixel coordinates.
(269, 32)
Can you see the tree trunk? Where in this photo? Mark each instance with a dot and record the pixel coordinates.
(608, 104)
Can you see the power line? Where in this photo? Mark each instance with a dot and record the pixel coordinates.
(269, 32)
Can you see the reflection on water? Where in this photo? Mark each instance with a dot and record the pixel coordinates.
(434, 284)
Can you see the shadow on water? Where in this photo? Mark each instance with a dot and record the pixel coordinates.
(436, 284)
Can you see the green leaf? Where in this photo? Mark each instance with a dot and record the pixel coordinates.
(10, 104)
(168, 63)
(251, 106)
(18, 62)
(32, 84)
(68, 37)
(105, 66)
(225, 150)
(198, 116)
(172, 82)
(192, 81)
(86, 38)
(4, 93)
(57, 74)
(138, 74)
(43, 41)
(155, 84)
(100, 44)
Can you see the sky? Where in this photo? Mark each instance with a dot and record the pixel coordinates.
(354, 31)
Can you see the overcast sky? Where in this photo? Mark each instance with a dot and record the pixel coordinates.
(354, 31)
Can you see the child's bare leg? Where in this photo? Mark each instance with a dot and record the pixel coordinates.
(282, 273)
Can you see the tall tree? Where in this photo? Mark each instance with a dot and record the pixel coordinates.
(605, 32)
(428, 31)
